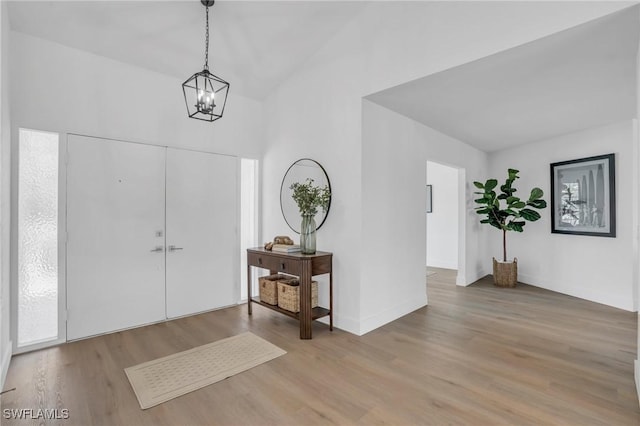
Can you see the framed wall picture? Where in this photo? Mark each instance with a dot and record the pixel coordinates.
(583, 196)
(429, 199)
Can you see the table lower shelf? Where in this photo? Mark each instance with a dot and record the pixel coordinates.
(316, 313)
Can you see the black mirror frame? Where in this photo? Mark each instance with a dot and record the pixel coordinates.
(282, 187)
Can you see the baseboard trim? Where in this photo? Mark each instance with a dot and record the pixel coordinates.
(401, 309)
(619, 301)
(636, 364)
(445, 264)
(467, 280)
(6, 360)
(343, 323)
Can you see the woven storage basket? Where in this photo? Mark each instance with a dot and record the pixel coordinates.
(505, 274)
(289, 294)
(269, 288)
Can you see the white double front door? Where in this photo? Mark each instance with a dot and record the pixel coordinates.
(151, 234)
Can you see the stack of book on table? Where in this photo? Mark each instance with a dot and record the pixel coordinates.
(286, 248)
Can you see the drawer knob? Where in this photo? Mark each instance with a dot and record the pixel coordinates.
(282, 266)
(260, 261)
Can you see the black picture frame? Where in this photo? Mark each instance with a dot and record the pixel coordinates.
(429, 198)
(583, 196)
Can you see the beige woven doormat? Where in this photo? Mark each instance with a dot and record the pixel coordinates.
(160, 380)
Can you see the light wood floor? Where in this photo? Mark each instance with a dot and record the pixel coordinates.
(477, 355)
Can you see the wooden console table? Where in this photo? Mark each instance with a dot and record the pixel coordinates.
(305, 266)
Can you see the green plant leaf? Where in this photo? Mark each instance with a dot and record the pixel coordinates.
(479, 185)
(491, 183)
(536, 193)
(515, 226)
(309, 197)
(530, 215)
(507, 189)
(538, 204)
(515, 214)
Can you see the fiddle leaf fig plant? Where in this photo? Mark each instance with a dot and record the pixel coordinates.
(504, 210)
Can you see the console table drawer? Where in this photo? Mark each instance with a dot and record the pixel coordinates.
(322, 266)
(274, 263)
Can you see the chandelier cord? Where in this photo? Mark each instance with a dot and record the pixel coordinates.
(206, 49)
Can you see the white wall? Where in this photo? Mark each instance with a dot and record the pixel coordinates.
(442, 222)
(318, 113)
(593, 268)
(395, 151)
(79, 92)
(305, 118)
(5, 172)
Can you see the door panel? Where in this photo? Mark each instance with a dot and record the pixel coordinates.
(201, 223)
(115, 218)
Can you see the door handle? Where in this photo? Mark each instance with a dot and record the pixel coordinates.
(158, 249)
(174, 248)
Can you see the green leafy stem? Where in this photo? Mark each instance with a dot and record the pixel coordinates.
(309, 197)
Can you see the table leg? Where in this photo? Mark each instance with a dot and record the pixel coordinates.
(249, 288)
(331, 301)
(305, 300)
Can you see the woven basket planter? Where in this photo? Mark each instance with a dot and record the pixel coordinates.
(269, 288)
(289, 294)
(505, 274)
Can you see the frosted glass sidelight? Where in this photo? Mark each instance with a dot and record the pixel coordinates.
(37, 237)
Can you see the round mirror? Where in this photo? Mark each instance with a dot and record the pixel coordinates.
(300, 171)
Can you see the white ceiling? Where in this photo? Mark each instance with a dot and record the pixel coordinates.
(255, 45)
(580, 78)
(573, 80)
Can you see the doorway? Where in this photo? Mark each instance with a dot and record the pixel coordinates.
(152, 234)
(443, 220)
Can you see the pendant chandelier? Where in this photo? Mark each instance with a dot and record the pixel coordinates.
(204, 93)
